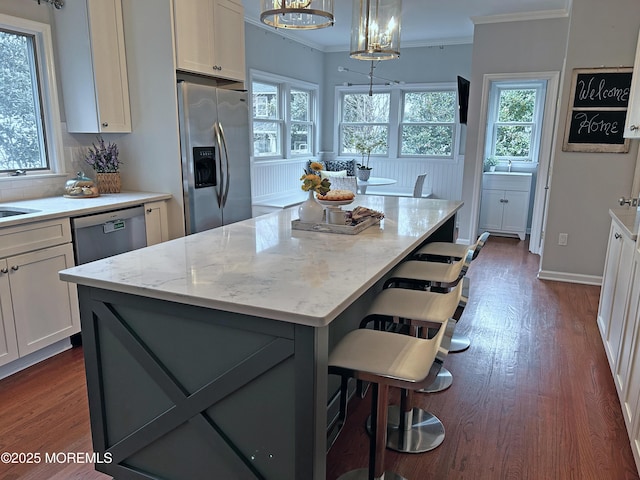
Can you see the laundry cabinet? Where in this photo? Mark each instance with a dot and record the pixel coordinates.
(505, 202)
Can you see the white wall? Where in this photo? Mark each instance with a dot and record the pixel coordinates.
(585, 186)
(503, 48)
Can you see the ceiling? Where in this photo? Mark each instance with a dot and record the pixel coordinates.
(424, 22)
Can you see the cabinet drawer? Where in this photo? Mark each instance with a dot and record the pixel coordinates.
(33, 236)
(506, 181)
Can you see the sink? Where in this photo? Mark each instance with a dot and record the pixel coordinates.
(10, 212)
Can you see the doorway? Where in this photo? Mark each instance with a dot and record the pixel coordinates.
(517, 131)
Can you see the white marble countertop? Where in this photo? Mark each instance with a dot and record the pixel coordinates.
(56, 207)
(262, 267)
(628, 218)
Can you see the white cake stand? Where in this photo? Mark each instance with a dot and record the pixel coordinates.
(334, 210)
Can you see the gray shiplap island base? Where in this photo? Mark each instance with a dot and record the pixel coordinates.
(206, 356)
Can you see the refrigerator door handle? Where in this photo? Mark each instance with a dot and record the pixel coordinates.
(226, 178)
(219, 194)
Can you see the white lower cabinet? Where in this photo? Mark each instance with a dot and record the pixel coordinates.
(614, 292)
(505, 202)
(156, 222)
(37, 308)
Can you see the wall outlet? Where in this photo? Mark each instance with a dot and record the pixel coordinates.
(563, 238)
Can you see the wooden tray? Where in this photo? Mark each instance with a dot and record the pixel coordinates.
(332, 228)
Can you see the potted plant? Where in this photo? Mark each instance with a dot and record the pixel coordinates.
(490, 164)
(104, 160)
(365, 145)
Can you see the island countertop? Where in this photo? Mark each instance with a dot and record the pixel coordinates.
(262, 267)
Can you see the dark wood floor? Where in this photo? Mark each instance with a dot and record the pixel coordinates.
(533, 398)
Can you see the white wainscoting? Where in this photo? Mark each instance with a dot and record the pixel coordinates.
(277, 178)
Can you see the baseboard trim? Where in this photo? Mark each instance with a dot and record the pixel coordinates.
(35, 357)
(570, 277)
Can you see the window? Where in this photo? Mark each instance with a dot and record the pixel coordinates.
(365, 123)
(514, 119)
(29, 135)
(403, 121)
(284, 116)
(428, 123)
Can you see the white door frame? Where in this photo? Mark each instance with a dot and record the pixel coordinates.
(546, 146)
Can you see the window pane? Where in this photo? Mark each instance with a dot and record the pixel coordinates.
(372, 136)
(265, 100)
(21, 131)
(362, 108)
(266, 138)
(429, 107)
(427, 140)
(300, 138)
(299, 105)
(516, 105)
(513, 140)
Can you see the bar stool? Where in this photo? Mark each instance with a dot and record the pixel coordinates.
(411, 429)
(452, 252)
(438, 277)
(386, 360)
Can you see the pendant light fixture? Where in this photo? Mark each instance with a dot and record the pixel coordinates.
(375, 29)
(297, 14)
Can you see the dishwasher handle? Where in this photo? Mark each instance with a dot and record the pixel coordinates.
(100, 218)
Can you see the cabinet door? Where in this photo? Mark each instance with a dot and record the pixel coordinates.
(628, 368)
(8, 342)
(109, 65)
(632, 122)
(516, 211)
(194, 35)
(228, 41)
(45, 308)
(619, 303)
(491, 210)
(156, 222)
(609, 282)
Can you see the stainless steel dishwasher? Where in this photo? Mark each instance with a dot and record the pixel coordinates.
(102, 235)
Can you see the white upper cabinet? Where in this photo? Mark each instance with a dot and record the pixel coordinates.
(93, 67)
(209, 36)
(632, 123)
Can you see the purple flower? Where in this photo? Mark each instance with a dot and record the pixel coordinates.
(103, 158)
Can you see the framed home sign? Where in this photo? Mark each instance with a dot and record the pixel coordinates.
(597, 110)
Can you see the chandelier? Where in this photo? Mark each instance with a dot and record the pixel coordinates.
(375, 29)
(297, 14)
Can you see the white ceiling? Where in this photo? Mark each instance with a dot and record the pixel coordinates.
(424, 22)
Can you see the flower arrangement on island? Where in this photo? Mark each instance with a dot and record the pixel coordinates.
(103, 158)
(312, 182)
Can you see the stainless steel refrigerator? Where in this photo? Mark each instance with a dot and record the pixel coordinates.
(214, 144)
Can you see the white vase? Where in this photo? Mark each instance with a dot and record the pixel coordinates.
(310, 211)
(363, 174)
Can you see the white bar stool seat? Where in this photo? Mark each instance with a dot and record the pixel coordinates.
(410, 429)
(386, 360)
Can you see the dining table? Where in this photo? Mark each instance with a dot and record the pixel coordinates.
(374, 182)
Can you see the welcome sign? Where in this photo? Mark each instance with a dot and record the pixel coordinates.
(598, 110)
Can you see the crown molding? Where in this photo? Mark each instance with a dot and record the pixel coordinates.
(520, 17)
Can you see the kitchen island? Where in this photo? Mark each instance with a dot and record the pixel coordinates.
(206, 356)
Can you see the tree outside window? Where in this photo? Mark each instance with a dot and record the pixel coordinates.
(22, 142)
(514, 114)
(428, 123)
(365, 122)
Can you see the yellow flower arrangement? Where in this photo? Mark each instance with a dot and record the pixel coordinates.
(313, 182)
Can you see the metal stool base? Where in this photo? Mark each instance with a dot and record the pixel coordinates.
(426, 433)
(441, 383)
(459, 343)
(363, 474)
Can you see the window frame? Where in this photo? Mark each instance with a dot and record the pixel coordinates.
(495, 90)
(396, 108)
(285, 123)
(48, 94)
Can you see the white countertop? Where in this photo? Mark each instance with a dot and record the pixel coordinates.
(56, 207)
(262, 267)
(628, 218)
